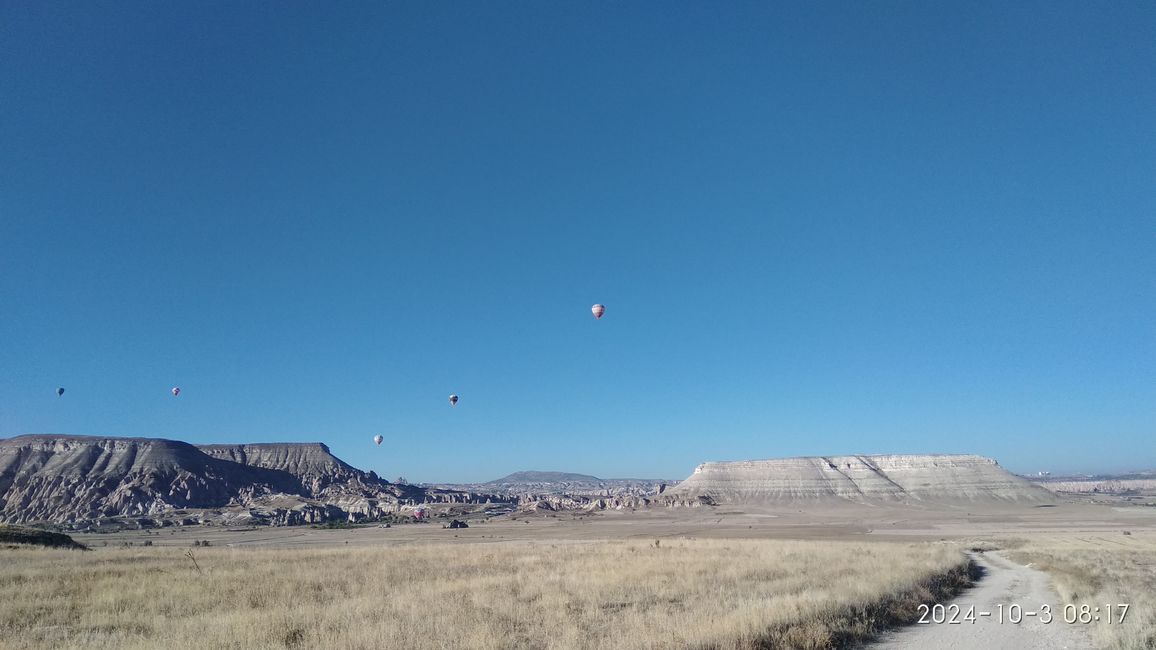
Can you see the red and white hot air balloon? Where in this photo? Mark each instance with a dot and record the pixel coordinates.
(377, 439)
(176, 390)
(453, 400)
(598, 310)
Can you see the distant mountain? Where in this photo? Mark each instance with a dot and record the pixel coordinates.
(81, 480)
(544, 477)
(566, 490)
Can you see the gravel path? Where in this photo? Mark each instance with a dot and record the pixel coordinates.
(1004, 583)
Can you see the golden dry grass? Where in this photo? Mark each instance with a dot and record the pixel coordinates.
(685, 593)
(1101, 568)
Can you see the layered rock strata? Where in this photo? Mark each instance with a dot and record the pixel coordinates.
(76, 479)
(866, 479)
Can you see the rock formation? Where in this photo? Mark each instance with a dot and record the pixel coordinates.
(865, 479)
(309, 463)
(78, 480)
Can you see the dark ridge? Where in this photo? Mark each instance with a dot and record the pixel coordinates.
(36, 537)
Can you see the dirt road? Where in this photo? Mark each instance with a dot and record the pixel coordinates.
(1004, 583)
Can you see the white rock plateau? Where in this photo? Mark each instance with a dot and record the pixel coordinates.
(863, 479)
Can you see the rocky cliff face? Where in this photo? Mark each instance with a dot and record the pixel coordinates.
(311, 463)
(69, 478)
(835, 479)
(79, 479)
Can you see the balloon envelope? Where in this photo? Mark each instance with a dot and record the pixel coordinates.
(598, 310)
(59, 392)
(378, 438)
(176, 390)
(453, 400)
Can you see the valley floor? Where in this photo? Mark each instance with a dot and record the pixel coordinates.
(723, 577)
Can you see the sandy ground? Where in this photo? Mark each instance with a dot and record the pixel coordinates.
(1004, 584)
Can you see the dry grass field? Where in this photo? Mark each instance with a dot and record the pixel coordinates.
(1101, 568)
(608, 594)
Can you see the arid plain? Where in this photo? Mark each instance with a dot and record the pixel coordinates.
(702, 577)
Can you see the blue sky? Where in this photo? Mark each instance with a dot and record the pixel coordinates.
(818, 228)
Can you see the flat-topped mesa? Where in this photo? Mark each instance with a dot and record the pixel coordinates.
(311, 462)
(835, 479)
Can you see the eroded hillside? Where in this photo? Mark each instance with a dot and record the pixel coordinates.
(81, 480)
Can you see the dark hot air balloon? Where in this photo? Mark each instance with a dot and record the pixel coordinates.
(176, 390)
(453, 400)
(59, 391)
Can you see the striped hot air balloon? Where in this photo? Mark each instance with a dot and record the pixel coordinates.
(377, 439)
(598, 310)
(453, 400)
(176, 390)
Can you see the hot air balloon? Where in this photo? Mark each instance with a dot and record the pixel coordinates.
(453, 400)
(176, 390)
(59, 392)
(598, 310)
(378, 438)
